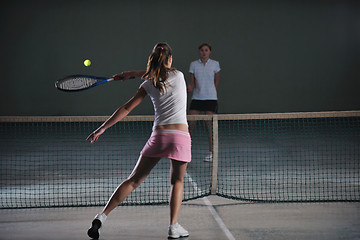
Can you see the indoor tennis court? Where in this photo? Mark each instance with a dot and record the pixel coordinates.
(285, 140)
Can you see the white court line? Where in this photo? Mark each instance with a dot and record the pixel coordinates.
(212, 210)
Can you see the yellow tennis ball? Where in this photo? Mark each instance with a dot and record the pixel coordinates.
(87, 62)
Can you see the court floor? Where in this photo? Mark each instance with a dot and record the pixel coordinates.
(212, 217)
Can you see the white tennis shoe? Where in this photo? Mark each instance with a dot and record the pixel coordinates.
(96, 225)
(177, 231)
(208, 157)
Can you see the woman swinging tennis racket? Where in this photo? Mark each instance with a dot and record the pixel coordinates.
(170, 137)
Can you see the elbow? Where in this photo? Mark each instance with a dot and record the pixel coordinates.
(126, 110)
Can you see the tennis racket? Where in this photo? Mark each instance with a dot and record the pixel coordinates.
(80, 82)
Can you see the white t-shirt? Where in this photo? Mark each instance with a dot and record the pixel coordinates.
(170, 106)
(204, 79)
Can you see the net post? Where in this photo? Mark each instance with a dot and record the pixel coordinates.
(215, 144)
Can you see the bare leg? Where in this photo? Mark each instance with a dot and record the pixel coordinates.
(209, 129)
(138, 175)
(192, 123)
(177, 173)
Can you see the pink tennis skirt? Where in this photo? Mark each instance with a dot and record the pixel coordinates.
(173, 144)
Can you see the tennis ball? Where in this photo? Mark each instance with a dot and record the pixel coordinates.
(87, 62)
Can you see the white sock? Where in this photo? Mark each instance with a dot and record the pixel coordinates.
(102, 217)
(173, 225)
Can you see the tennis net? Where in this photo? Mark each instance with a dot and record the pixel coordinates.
(46, 162)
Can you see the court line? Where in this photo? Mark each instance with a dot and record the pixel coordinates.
(212, 210)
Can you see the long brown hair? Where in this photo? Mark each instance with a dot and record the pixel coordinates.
(156, 70)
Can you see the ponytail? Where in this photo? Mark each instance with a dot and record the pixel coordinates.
(156, 70)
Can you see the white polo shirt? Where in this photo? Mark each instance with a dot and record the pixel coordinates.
(170, 106)
(204, 79)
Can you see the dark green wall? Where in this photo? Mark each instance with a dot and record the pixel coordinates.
(276, 56)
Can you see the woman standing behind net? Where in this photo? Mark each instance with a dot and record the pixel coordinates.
(170, 137)
(204, 81)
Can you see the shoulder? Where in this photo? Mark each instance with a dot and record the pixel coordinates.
(214, 62)
(146, 84)
(194, 65)
(176, 74)
(196, 62)
(215, 65)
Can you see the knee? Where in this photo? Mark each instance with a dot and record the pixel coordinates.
(134, 182)
(176, 180)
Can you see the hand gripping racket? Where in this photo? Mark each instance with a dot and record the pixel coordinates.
(80, 82)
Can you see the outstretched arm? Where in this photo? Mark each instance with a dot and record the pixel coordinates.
(128, 75)
(119, 114)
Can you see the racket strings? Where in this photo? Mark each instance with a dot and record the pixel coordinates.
(76, 83)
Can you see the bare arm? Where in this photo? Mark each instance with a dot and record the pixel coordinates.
(119, 114)
(128, 75)
(217, 79)
(191, 85)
